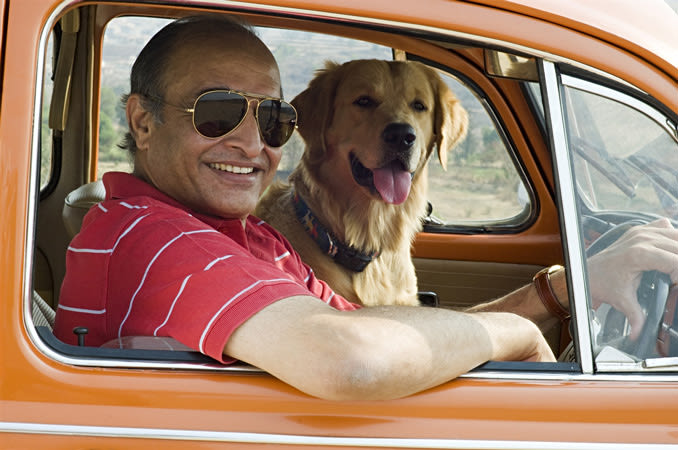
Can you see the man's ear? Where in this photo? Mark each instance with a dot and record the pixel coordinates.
(140, 121)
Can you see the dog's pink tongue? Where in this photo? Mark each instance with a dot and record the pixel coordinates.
(393, 183)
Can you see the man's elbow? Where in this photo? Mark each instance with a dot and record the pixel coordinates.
(362, 375)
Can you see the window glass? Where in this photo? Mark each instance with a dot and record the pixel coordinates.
(625, 166)
(624, 159)
(481, 185)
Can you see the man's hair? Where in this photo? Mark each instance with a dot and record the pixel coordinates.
(148, 72)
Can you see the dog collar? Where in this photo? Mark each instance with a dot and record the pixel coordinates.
(349, 257)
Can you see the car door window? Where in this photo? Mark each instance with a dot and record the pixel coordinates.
(624, 157)
(482, 186)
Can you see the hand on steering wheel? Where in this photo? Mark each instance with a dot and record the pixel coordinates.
(631, 333)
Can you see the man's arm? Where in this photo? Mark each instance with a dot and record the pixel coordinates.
(526, 302)
(381, 352)
(614, 275)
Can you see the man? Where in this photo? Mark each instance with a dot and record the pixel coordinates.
(174, 252)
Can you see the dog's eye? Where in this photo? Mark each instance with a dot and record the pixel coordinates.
(418, 106)
(364, 102)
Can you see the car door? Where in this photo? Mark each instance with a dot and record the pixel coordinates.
(53, 394)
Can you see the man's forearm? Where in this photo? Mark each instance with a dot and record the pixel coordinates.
(380, 352)
(526, 302)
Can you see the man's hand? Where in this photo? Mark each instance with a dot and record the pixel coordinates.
(615, 273)
(515, 338)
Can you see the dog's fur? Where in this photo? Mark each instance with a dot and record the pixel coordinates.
(343, 116)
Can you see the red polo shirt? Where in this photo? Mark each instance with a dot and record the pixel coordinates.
(144, 265)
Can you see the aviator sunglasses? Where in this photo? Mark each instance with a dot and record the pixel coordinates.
(219, 112)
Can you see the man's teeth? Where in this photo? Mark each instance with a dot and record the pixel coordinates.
(232, 169)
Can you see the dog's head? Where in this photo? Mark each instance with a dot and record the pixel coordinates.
(375, 123)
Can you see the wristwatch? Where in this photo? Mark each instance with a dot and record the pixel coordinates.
(542, 283)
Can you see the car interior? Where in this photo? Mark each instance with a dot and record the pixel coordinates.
(492, 222)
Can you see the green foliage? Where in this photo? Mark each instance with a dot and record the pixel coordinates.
(111, 129)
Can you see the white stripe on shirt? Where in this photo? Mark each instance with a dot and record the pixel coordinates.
(148, 268)
(127, 205)
(222, 258)
(89, 250)
(107, 250)
(169, 313)
(283, 256)
(82, 310)
(181, 290)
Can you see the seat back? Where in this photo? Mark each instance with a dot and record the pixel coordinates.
(78, 202)
(43, 314)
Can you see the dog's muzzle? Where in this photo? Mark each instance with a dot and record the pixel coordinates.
(392, 181)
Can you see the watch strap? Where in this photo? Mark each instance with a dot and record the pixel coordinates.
(542, 283)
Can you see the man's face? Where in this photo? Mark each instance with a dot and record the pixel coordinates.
(223, 177)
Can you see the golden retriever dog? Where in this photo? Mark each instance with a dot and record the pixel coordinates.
(356, 200)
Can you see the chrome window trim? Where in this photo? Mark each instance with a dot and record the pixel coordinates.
(304, 14)
(565, 191)
(34, 180)
(307, 440)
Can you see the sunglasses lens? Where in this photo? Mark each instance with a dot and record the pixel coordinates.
(277, 120)
(218, 112)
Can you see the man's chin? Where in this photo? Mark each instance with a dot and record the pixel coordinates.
(235, 210)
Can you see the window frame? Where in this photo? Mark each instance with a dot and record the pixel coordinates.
(491, 370)
(557, 77)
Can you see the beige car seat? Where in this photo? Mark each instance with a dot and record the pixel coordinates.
(43, 314)
(76, 205)
(78, 202)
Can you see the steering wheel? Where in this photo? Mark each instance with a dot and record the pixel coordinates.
(652, 295)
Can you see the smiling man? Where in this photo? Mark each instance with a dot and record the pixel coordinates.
(173, 250)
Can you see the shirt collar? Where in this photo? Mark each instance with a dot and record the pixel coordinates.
(121, 185)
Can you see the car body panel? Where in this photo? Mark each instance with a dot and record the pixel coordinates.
(52, 402)
(647, 31)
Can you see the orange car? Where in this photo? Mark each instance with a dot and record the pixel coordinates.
(573, 135)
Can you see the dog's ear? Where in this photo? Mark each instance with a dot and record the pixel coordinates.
(314, 107)
(451, 119)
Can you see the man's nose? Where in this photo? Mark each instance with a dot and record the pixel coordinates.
(248, 134)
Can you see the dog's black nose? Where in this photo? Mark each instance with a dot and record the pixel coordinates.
(399, 136)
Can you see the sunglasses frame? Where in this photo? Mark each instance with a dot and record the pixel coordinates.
(249, 98)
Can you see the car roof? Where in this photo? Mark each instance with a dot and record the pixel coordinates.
(648, 28)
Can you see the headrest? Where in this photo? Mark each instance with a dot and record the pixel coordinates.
(78, 202)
